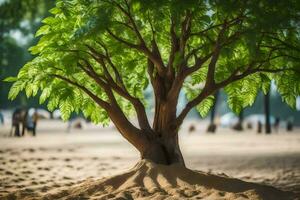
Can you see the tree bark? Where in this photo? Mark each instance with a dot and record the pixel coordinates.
(164, 150)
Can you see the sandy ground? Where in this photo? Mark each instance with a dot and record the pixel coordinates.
(56, 160)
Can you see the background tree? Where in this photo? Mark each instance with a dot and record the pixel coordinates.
(18, 20)
(267, 112)
(98, 56)
(239, 124)
(212, 126)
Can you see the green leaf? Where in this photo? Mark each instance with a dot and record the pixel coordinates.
(66, 109)
(53, 103)
(43, 30)
(266, 83)
(45, 94)
(16, 88)
(204, 107)
(291, 101)
(10, 79)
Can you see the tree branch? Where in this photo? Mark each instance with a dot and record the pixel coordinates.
(122, 91)
(99, 101)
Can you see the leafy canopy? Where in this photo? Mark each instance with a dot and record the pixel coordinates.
(93, 47)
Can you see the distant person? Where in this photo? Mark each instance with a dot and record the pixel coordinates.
(259, 127)
(276, 124)
(74, 123)
(32, 122)
(35, 118)
(24, 122)
(18, 118)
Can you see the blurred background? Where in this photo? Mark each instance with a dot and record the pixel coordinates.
(64, 153)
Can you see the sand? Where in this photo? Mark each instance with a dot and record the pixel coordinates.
(151, 181)
(82, 165)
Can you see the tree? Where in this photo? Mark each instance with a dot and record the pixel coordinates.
(18, 17)
(98, 56)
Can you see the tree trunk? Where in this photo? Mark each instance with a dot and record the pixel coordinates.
(164, 150)
(212, 126)
(163, 147)
(267, 112)
(239, 125)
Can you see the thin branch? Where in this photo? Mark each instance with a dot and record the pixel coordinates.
(284, 43)
(229, 23)
(131, 45)
(210, 80)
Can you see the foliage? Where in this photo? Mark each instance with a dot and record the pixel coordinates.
(18, 19)
(252, 42)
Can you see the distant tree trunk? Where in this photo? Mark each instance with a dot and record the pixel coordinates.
(239, 125)
(212, 126)
(267, 112)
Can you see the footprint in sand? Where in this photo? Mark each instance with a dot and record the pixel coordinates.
(31, 150)
(20, 186)
(27, 172)
(66, 178)
(44, 189)
(67, 159)
(9, 173)
(14, 153)
(68, 184)
(20, 179)
(29, 190)
(56, 185)
(34, 183)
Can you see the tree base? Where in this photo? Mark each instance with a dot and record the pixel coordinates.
(211, 128)
(238, 127)
(148, 180)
